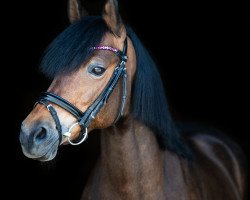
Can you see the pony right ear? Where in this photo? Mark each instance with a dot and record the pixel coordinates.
(113, 19)
(75, 11)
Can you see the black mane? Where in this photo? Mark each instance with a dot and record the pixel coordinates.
(149, 105)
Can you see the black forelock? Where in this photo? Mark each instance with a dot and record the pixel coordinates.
(70, 49)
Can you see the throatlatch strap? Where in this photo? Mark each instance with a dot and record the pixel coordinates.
(124, 95)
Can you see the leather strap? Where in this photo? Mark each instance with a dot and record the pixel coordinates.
(62, 103)
(54, 115)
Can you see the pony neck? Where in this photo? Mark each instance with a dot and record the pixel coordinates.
(131, 160)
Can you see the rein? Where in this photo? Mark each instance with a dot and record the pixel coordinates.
(85, 118)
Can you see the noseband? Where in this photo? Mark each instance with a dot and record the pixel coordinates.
(85, 118)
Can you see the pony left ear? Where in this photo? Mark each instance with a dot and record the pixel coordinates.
(112, 18)
(75, 10)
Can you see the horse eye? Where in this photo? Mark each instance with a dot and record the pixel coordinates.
(97, 71)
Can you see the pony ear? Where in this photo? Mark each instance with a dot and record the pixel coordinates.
(75, 11)
(112, 17)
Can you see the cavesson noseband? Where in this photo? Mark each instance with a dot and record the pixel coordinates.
(85, 118)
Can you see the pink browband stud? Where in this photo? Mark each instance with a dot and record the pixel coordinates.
(105, 48)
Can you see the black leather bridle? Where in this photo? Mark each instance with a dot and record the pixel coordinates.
(85, 118)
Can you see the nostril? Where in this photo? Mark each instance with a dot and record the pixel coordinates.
(41, 134)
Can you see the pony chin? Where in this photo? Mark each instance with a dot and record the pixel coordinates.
(50, 155)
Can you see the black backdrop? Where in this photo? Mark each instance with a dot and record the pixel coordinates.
(202, 50)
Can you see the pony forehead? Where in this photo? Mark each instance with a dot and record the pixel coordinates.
(120, 54)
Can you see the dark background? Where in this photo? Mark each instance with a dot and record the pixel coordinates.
(202, 50)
